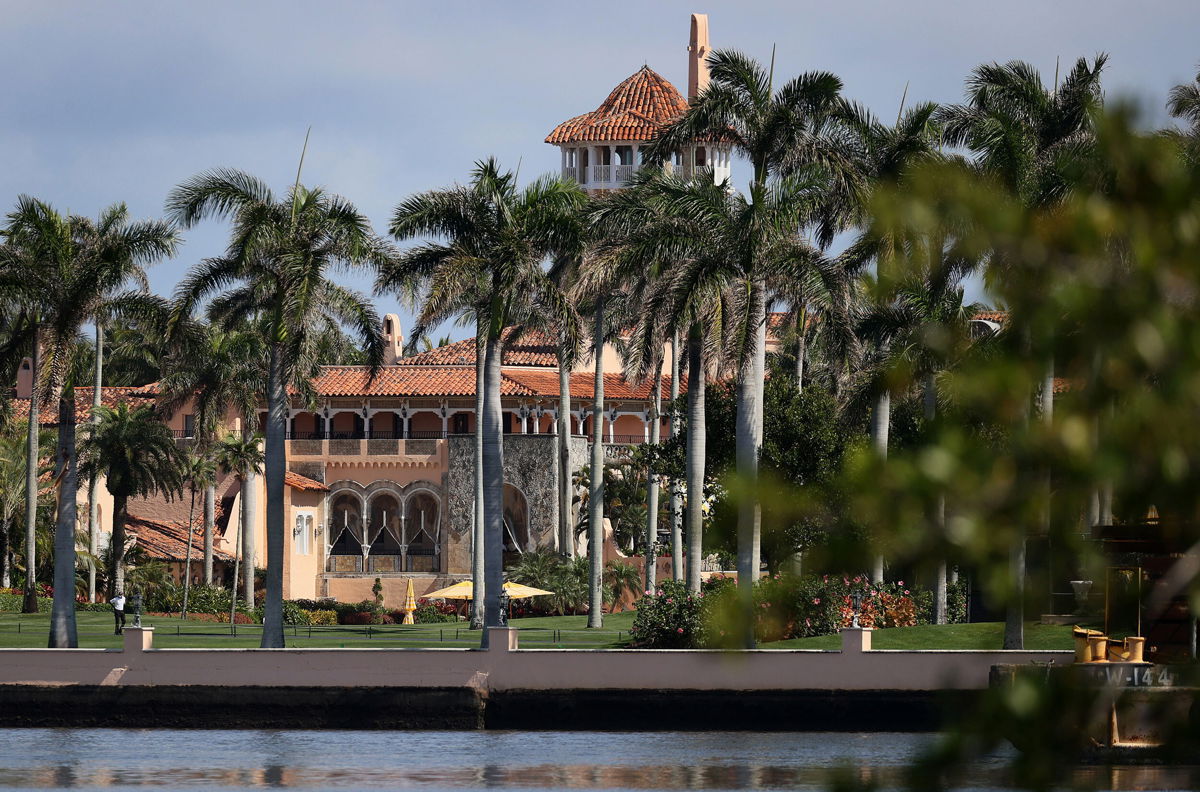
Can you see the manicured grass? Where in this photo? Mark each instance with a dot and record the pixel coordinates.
(96, 632)
(567, 632)
(981, 635)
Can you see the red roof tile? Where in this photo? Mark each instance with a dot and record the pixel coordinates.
(991, 316)
(407, 381)
(533, 348)
(296, 481)
(168, 541)
(110, 396)
(633, 111)
(545, 384)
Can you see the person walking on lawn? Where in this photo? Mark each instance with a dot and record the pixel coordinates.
(118, 603)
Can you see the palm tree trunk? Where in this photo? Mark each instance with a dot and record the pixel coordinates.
(478, 537)
(676, 499)
(62, 616)
(938, 520)
(652, 485)
(93, 480)
(566, 528)
(210, 519)
(276, 466)
(249, 513)
(187, 565)
(748, 439)
(237, 561)
(881, 421)
(116, 570)
(801, 347)
(596, 492)
(5, 557)
(695, 459)
(29, 604)
(493, 490)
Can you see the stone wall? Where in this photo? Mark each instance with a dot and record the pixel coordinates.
(530, 465)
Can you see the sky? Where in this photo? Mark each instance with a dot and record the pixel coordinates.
(108, 102)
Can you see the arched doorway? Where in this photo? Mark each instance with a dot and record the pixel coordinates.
(387, 543)
(423, 531)
(516, 525)
(346, 533)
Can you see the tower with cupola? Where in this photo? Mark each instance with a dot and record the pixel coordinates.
(603, 149)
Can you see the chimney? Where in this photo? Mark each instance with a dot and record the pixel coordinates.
(393, 339)
(698, 50)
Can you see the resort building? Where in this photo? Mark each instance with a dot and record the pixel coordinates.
(380, 480)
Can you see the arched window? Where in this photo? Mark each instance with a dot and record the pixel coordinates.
(421, 524)
(516, 524)
(385, 529)
(346, 527)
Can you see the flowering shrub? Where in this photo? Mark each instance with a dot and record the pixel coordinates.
(321, 618)
(432, 613)
(669, 618)
(784, 607)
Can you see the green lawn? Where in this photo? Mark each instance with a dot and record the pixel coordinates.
(982, 635)
(96, 631)
(568, 632)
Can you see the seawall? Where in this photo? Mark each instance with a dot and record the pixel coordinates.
(503, 687)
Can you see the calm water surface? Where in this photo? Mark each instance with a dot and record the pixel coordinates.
(429, 760)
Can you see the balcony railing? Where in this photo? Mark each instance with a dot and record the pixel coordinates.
(602, 173)
(436, 434)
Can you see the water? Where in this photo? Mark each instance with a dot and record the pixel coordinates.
(430, 760)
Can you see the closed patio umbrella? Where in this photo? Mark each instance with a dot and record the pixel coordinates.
(410, 605)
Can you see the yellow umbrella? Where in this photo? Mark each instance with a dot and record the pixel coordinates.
(518, 591)
(461, 590)
(410, 605)
(464, 590)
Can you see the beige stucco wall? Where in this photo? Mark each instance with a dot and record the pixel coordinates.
(506, 667)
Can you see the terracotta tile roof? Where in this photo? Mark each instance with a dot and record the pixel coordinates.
(407, 381)
(110, 396)
(633, 111)
(991, 316)
(545, 384)
(303, 483)
(533, 348)
(168, 541)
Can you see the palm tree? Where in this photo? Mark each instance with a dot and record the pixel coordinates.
(243, 457)
(639, 242)
(496, 238)
(791, 132)
(276, 267)
(217, 372)
(1034, 140)
(200, 473)
(1184, 103)
(65, 272)
(921, 321)
(886, 155)
(138, 456)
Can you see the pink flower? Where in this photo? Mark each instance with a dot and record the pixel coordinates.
(658, 593)
(900, 583)
(647, 592)
(816, 600)
(858, 578)
(808, 622)
(906, 592)
(825, 578)
(669, 600)
(679, 630)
